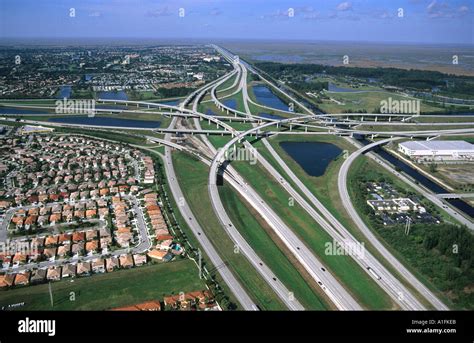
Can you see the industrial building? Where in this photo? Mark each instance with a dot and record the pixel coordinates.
(438, 150)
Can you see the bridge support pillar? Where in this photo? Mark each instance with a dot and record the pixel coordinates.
(291, 127)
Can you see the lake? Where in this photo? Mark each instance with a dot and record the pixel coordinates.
(16, 110)
(113, 95)
(313, 157)
(107, 121)
(64, 92)
(266, 97)
(231, 103)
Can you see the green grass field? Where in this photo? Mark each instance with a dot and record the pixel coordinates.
(367, 101)
(106, 291)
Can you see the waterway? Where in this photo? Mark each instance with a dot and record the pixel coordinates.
(106, 121)
(112, 95)
(266, 97)
(64, 92)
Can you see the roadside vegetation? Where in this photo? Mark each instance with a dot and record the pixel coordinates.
(443, 255)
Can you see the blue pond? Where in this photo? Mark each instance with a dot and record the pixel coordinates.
(266, 97)
(113, 95)
(64, 92)
(106, 121)
(231, 103)
(313, 157)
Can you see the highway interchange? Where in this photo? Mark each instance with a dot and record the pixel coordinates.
(312, 123)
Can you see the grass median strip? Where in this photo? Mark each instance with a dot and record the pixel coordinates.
(193, 177)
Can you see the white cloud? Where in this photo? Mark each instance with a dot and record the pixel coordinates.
(344, 6)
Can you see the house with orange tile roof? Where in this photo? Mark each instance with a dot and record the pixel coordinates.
(80, 214)
(49, 252)
(22, 279)
(69, 270)
(103, 212)
(33, 211)
(7, 280)
(160, 238)
(18, 221)
(78, 248)
(157, 254)
(30, 220)
(19, 258)
(64, 237)
(139, 259)
(162, 232)
(146, 306)
(91, 234)
(153, 208)
(37, 241)
(78, 236)
(191, 300)
(64, 249)
(164, 245)
(54, 218)
(83, 268)
(53, 273)
(111, 263)
(98, 265)
(126, 261)
(91, 213)
(51, 240)
(105, 242)
(92, 246)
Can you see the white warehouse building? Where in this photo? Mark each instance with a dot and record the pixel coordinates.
(438, 150)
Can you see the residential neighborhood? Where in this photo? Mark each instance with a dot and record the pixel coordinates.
(75, 206)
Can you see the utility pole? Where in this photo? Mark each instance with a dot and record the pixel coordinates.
(200, 263)
(407, 226)
(50, 294)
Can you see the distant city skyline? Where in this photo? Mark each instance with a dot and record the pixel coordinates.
(403, 21)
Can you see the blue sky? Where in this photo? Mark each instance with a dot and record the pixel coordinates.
(426, 21)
